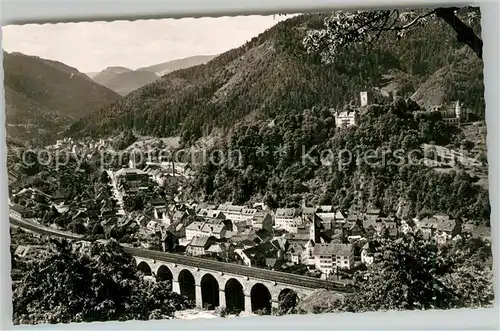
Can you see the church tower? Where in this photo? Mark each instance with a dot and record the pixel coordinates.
(314, 230)
(458, 111)
(131, 161)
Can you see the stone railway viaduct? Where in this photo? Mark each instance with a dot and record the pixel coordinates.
(212, 283)
(213, 289)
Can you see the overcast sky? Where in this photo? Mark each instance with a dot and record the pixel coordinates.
(93, 46)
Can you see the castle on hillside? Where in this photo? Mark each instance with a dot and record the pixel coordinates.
(345, 118)
(453, 114)
(349, 117)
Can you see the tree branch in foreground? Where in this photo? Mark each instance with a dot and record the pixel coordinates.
(465, 34)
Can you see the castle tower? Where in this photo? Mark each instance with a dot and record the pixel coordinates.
(458, 110)
(365, 98)
(132, 160)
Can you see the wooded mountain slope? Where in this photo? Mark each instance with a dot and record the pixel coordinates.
(378, 163)
(462, 80)
(272, 74)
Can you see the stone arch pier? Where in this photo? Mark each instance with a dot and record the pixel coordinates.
(211, 289)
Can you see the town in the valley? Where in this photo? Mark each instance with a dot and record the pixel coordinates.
(314, 163)
(144, 202)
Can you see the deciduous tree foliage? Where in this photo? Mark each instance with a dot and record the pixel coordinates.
(412, 273)
(342, 29)
(102, 284)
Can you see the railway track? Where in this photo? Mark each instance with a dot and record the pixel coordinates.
(264, 274)
(43, 230)
(270, 275)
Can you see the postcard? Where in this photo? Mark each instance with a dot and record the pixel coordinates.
(247, 165)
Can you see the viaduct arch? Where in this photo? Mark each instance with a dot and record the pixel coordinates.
(211, 289)
(234, 283)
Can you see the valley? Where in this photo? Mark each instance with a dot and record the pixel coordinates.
(346, 171)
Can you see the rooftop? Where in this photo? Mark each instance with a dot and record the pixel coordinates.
(199, 241)
(447, 225)
(286, 212)
(195, 226)
(212, 227)
(129, 171)
(334, 249)
(231, 208)
(373, 212)
(249, 211)
(215, 248)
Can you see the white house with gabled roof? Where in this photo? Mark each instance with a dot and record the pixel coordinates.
(287, 219)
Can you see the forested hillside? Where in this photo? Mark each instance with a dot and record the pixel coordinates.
(272, 74)
(273, 78)
(462, 79)
(43, 96)
(375, 164)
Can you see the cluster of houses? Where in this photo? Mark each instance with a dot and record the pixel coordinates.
(321, 238)
(132, 180)
(96, 203)
(79, 146)
(167, 173)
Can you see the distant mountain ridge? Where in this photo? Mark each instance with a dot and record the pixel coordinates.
(124, 80)
(107, 76)
(44, 96)
(169, 66)
(91, 75)
(272, 74)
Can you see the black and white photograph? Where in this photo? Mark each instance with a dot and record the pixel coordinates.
(251, 165)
